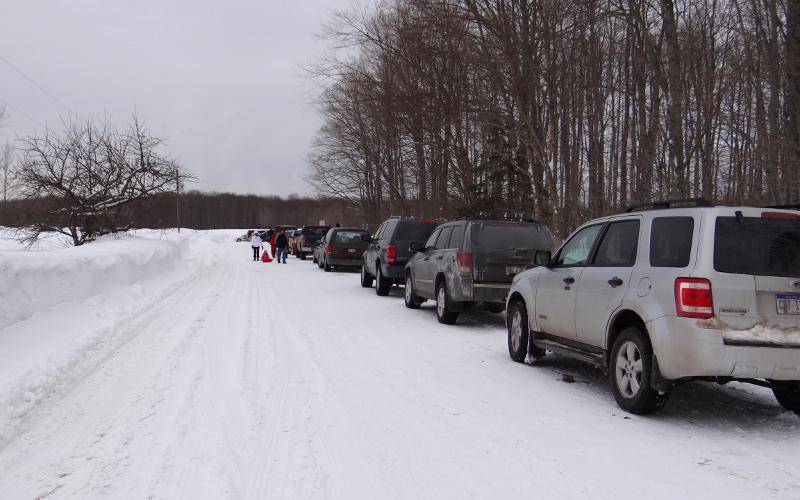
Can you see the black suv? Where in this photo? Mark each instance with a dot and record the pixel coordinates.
(387, 253)
(470, 261)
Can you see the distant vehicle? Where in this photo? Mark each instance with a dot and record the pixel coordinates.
(472, 261)
(309, 236)
(667, 293)
(387, 253)
(249, 234)
(341, 247)
(294, 236)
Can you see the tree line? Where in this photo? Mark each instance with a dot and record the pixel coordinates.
(559, 109)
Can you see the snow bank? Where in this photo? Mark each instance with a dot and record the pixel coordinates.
(36, 281)
(60, 307)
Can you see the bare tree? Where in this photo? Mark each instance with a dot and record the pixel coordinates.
(85, 174)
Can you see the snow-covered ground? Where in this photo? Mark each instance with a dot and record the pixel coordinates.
(173, 366)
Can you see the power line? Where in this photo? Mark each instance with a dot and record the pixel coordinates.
(30, 80)
(26, 115)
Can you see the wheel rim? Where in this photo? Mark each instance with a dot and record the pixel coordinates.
(408, 290)
(629, 369)
(440, 298)
(516, 330)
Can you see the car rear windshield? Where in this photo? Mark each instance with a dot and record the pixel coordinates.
(349, 237)
(510, 235)
(414, 230)
(757, 246)
(315, 231)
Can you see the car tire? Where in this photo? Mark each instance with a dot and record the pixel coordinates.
(519, 333)
(366, 278)
(302, 255)
(326, 266)
(494, 307)
(443, 312)
(630, 370)
(787, 394)
(413, 301)
(382, 285)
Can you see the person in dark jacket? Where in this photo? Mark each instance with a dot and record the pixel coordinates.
(281, 242)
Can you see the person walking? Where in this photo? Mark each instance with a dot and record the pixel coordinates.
(255, 242)
(281, 242)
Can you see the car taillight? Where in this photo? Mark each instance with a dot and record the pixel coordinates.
(391, 254)
(329, 248)
(465, 262)
(779, 215)
(693, 298)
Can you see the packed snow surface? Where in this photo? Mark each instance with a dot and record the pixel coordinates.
(167, 366)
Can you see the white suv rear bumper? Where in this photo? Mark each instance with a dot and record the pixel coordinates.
(685, 349)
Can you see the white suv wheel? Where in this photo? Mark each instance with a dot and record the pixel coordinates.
(629, 370)
(516, 329)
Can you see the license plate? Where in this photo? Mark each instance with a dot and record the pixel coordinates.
(514, 270)
(352, 250)
(788, 303)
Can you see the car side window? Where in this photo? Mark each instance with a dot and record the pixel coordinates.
(444, 238)
(379, 232)
(671, 241)
(576, 251)
(619, 245)
(388, 229)
(432, 240)
(456, 237)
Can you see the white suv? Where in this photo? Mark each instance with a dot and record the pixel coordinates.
(667, 293)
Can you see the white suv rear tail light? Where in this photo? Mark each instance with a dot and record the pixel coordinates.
(693, 298)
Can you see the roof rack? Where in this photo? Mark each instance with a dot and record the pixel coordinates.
(496, 217)
(660, 205)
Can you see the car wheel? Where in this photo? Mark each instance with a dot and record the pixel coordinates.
(519, 333)
(443, 312)
(630, 370)
(302, 255)
(382, 285)
(787, 394)
(413, 301)
(366, 279)
(326, 266)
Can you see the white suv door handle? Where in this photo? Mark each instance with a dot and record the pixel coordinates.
(615, 282)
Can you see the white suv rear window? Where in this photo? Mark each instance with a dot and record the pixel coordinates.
(757, 246)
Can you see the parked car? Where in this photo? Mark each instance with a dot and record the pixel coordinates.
(309, 236)
(472, 261)
(294, 237)
(249, 234)
(341, 247)
(668, 293)
(387, 253)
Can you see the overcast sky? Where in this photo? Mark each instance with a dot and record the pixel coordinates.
(220, 80)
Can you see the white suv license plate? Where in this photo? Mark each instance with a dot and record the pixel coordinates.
(788, 303)
(514, 270)
(352, 250)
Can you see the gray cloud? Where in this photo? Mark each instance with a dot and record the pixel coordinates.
(219, 80)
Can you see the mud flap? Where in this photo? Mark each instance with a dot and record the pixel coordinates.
(529, 357)
(657, 381)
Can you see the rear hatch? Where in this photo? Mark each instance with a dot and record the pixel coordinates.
(409, 231)
(502, 249)
(347, 244)
(312, 234)
(757, 259)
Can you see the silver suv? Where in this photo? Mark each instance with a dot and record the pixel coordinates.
(668, 293)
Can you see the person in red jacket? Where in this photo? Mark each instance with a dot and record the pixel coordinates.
(272, 241)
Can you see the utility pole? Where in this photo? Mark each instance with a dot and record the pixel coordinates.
(178, 198)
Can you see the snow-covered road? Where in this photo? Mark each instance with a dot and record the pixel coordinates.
(260, 380)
